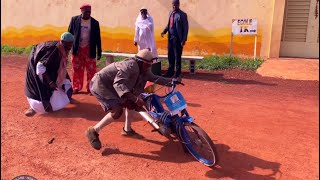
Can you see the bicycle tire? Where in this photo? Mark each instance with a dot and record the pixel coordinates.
(185, 138)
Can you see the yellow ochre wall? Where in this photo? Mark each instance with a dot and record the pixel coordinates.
(29, 22)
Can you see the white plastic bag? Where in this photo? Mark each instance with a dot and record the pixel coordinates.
(59, 99)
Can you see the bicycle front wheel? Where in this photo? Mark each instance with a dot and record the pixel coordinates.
(198, 143)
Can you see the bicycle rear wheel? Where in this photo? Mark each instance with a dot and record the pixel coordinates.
(198, 143)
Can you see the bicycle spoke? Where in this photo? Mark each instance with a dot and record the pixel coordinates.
(197, 144)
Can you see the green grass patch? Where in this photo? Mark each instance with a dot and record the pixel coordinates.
(227, 62)
(208, 63)
(7, 50)
(102, 62)
(221, 62)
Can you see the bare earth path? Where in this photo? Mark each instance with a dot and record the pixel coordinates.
(264, 128)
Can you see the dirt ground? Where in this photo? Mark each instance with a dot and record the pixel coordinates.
(263, 128)
(291, 68)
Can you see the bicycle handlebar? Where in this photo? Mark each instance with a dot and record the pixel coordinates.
(174, 82)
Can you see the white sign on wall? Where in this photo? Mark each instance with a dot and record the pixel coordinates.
(244, 26)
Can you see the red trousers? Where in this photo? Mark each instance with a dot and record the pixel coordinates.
(80, 62)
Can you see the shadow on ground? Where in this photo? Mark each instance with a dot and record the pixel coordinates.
(171, 151)
(232, 164)
(238, 166)
(88, 111)
(219, 77)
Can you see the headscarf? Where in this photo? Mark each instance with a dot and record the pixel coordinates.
(143, 23)
(147, 24)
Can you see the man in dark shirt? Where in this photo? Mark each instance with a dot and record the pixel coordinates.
(177, 29)
(87, 45)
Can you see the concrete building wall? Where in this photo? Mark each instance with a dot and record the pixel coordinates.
(29, 22)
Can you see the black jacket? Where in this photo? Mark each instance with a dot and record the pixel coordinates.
(49, 55)
(181, 24)
(95, 39)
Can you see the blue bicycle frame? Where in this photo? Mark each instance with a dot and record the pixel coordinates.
(177, 118)
(158, 111)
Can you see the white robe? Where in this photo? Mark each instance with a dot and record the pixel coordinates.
(59, 98)
(144, 34)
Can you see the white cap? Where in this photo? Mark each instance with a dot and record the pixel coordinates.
(143, 8)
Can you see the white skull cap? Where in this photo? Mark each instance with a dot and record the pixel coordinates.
(143, 8)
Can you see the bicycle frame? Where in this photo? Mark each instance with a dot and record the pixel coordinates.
(153, 101)
(177, 118)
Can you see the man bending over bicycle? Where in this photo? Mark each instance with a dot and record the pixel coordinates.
(118, 86)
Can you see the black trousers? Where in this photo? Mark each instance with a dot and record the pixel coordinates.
(174, 56)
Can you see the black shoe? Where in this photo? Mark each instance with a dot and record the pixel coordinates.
(93, 138)
(131, 134)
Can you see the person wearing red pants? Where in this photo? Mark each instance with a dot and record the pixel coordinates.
(86, 48)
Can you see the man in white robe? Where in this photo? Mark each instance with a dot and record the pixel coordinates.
(144, 32)
(48, 85)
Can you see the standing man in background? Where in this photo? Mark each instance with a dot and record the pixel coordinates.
(86, 48)
(177, 29)
(144, 32)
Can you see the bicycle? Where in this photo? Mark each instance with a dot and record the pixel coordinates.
(175, 121)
